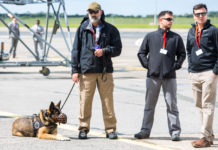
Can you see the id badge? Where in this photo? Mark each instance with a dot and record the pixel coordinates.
(199, 52)
(163, 51)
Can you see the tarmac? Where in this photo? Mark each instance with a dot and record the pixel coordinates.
(96, 140)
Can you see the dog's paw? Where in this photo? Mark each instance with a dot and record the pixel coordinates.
(65, 139)
(62, 138)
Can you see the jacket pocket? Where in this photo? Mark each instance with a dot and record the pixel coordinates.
(91, 60)
(176, 66)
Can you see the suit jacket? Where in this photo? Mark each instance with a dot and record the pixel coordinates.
(13, 29)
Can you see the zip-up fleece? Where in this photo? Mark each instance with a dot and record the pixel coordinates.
(208, 60)
(158, 64)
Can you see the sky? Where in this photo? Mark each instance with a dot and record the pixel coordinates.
(122, 7)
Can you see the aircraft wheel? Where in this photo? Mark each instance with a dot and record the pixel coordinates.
(45, 71)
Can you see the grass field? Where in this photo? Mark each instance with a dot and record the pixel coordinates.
(179, 22)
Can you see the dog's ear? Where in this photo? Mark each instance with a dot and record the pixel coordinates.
(52, 106)
(58, 105)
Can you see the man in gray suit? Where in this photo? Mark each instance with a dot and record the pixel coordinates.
(14, 33)
(38, 29)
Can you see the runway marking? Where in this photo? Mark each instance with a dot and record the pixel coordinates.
(134, 68)
(128, 140)
(7, 114)
(117, 68)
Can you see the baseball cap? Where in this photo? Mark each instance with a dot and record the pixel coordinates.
(94, 6)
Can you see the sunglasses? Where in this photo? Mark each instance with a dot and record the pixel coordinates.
(93, 12)
(168, 19)
(202, 14)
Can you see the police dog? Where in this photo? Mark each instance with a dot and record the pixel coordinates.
(43, 125)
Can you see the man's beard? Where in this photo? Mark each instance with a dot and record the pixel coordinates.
(94, 19)
(167, 27)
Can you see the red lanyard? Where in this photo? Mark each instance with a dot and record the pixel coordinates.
(94, 35)
(164, 39)
(198, 37)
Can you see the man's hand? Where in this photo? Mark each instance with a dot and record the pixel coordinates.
(75, 77)
(98, 52)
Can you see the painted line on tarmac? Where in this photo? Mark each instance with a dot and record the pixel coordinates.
(129, 68)
(99, 134)
(122, 139)
(7, 114)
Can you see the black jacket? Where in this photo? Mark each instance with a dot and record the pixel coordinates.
(208, 60)
(160, 65)
(83, 58)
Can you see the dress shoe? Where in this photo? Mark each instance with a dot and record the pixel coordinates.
(211, 142)
(112, 135)
(201, 143)
(82, 134)
(142, 135)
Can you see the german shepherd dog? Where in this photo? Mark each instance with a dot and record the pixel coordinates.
(43, 125)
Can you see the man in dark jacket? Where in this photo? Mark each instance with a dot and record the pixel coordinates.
(162, 53)
(96, 41)
(202, 51)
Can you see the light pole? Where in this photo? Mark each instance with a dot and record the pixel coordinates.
(155, 13)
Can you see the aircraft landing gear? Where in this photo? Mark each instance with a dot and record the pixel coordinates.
(45, 71)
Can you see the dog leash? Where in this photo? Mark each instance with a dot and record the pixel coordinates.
(68, 95)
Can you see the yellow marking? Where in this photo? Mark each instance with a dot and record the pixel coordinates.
(99, 134)
(123, 139)
(129, 68)
(134, 68)
(7, 114)
(146, 144)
